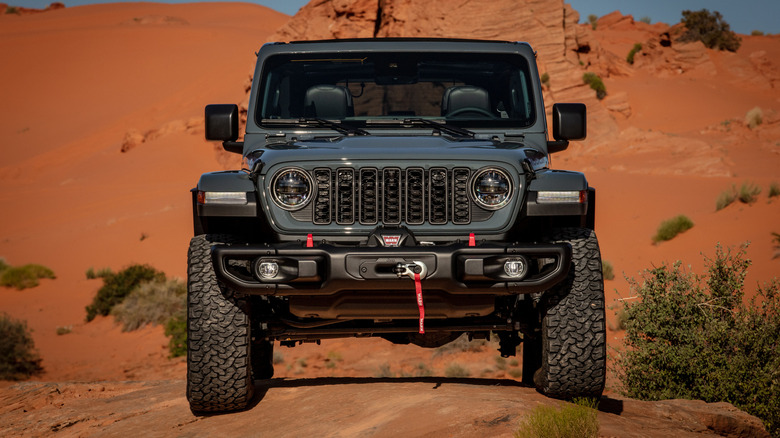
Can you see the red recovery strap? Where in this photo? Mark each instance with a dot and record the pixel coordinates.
(472, 240)
(309, 241)
(418, 289)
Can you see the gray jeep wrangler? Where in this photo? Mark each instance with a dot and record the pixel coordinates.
(394, 188)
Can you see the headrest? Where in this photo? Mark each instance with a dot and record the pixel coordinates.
(328, 102)
(464, 96)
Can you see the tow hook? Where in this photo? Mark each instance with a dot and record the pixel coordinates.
(409, 269)
(416, 271)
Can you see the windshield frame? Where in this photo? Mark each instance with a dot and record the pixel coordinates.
(513, 59)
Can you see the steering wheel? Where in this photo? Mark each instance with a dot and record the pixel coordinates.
(470, 109)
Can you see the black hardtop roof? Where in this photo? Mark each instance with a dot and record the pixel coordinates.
(399, 44)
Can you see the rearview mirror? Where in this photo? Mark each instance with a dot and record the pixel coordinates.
(569, 121)
(222, 122)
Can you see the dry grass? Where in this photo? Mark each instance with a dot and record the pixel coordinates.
(151, 303)
(754, 118)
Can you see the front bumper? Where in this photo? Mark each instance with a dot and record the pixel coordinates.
(326, 269)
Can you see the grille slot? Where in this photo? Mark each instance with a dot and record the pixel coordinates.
(345, 196)
(391, 192)
(368, 195)
(323, 201)
(461, 211)
(415, 196)
(437, 196)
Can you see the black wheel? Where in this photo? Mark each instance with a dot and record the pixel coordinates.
(219, 374)
(574, 338)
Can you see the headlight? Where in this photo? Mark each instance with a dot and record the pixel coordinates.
(491, 188)
(291, 188)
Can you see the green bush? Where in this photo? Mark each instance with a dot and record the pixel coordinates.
(630, 58)
(672, 227)
(18, 357)
(176, 329)
(24, 277)
(456, 370)
(726, 198)
(748, 193)
(596, 84)
(607, 271)
(546, 79)
(3, 265)
(151, 303)
(593, 20)
(757, 33)
(709, 28)
(646, 20)
(754, 117)
(117, 286)
(102, 273)
(571, 420)
(13, 10)
(774, 189)
(695, 337)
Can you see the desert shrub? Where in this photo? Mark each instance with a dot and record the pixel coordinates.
(672, 227)
(13, 10)
(278, 358)
(593, 20)
(151, 302)
(18, 357)
(646, 20)
(578, 419)
(630, 58)
(64, 330)
(709, 28)
(176, 329)
(754, 117)
(748, 193)
(384, 371)
(3, 265)
(91, 274)
(456, 370)
(695, 337)
(117, 286)
(596, 84)
(422, 370)
(774, 189)
(546, 79)
(607, 271)
(757, 33)
(726, 198)
(500, 363)
(24, 277)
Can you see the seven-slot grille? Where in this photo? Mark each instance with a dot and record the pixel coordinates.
(391, 196)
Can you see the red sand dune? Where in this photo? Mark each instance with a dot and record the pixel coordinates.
(81, 84)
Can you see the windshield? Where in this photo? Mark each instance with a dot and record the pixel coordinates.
(464, 89)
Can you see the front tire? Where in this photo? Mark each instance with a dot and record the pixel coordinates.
(219, 374)
(574, 338)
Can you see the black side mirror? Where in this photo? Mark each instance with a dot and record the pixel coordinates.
(222, 122)
(569, 121)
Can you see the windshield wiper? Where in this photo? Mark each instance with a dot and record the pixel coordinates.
(336, 126)
(461, 132)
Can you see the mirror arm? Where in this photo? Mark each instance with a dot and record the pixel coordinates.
(236, 147)
(557, 146)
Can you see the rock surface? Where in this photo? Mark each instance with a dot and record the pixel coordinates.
(335, 407)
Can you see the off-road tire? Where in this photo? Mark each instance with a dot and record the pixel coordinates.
(574, 338)
(219, 374)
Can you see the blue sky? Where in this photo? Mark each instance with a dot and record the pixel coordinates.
(744, 16)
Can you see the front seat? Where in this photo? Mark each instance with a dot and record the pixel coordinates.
(465, 101)
(328, 102)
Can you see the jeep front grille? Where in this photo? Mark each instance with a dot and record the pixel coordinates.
(390, 196)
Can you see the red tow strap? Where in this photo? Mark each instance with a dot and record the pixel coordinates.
(309, 241)
(418, 289)
(472, 240)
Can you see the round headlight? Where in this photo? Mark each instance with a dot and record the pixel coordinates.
(291, 188)
(491, 188)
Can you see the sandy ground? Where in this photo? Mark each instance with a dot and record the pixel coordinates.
(81, 82)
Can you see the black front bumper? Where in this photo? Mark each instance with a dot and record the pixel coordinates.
(327, 269)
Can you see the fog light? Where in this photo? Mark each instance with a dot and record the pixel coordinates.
(267, 270)
(515, 268)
